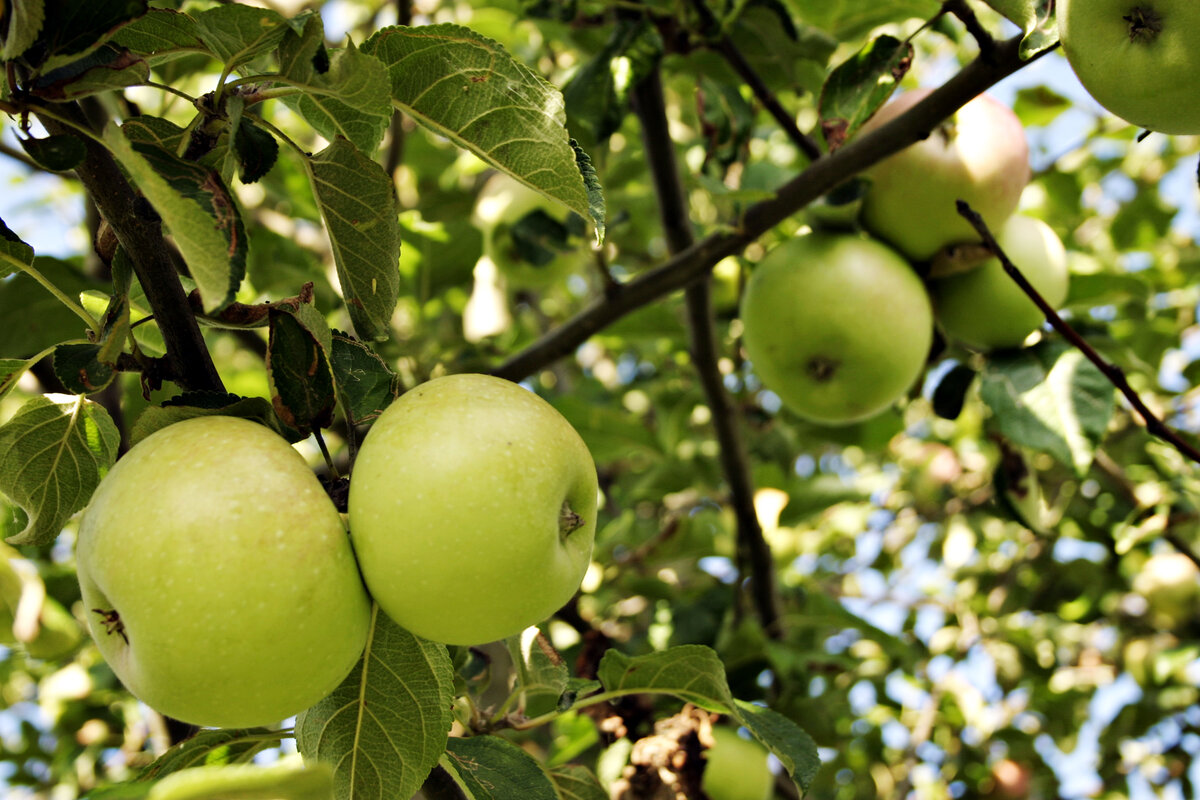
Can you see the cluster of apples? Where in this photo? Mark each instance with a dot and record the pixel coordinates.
(840, 326)
(223, 590)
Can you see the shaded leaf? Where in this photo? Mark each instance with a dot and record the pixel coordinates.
(794, 748)
(102, 70)
(364, 232)
(198, 209)
(80, 369)
(492, 768)
(542, 676)
(14, 253)
(469, 89)
(384, 728)
(1050, 398)
(366, 385)
(34, 319)
(11, 370)
(951, 391)
(256, 150)
(302, 387)
(597, 96)
(58, 153)
(208, 404)
(56, 450)
(78, 26)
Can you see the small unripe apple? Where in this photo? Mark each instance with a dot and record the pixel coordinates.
(1137, 58)
(472, 509)
(217, 578)
(984, 308)
(736, 768)
(838, 326)
(979, 155)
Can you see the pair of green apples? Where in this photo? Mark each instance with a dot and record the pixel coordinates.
(840, 326)
(223, 590)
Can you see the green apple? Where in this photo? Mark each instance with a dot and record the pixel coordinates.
(838, 326)
(979, 155)
(1170, 582)
(736, 768)
(984, 308)
(1137, 58)
(472, 509)
(217, 576)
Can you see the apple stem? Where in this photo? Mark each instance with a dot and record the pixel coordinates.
(568, 520)
(325, 452)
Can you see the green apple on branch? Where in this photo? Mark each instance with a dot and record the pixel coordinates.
(1137, 58)
(838, 326)
(984, 308)
(472, 509)
(217, 577)
(979, 155)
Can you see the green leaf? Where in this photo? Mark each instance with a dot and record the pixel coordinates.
(364, 231)
(76, 27)
(283, 781)
(794, 748)
(14, 253)
(492, 768)
(1035, 18)
(198, 209)
(786, 56)
(860, 85)
(850, 20)
(577, 782)
(256, 149)
(384, 728)
(101, 70)
(597, 96)
(365, 383)
(542, 677)
(208, 748)
(80, 369)
(1050, 398)
(208, 404)
(11, 370)
(469, 89)
(34, 319)
(351, 97)
(162, 35)
(58, 153)
(24, 24)
(302, 387)
(238, 34)
(55, 453)
(690, 672)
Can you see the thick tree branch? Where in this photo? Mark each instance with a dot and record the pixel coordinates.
(822, 175)
(139, 232)
(754, 554)
(1154, 425)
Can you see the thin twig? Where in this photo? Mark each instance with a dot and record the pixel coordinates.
(737, 60)
(1154, 425)
(822, 175)
(395, 150)
(754, 554)
(960, 9)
